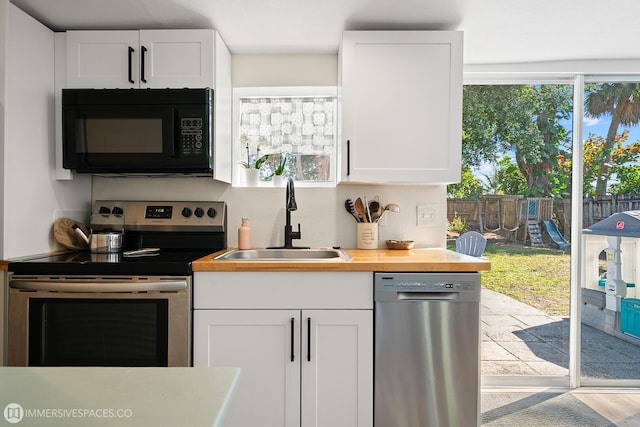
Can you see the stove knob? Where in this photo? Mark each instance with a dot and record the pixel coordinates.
(186, 212)
(199, 212)
(104, 210)
(117, 211)
(211, 212)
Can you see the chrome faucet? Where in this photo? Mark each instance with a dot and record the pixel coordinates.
(291, 205)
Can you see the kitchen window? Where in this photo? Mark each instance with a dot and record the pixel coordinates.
(285, 131)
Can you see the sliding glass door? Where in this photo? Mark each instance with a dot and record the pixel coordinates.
(610, 313)
(516, 150)
(543, 161)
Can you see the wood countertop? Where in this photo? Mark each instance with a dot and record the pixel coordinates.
(418, 260)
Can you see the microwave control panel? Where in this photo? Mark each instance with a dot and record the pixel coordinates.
(191, 132)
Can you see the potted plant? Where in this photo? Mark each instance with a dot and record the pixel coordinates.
(278, 175)
(252, 168)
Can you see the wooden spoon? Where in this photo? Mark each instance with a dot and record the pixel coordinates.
(361, 210)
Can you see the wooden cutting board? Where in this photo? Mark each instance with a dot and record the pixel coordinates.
(66, 236)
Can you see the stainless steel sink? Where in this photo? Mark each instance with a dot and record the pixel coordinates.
(314, 254)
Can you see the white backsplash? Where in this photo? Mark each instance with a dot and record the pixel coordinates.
(321, 212)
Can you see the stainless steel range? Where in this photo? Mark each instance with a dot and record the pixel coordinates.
(131, 308)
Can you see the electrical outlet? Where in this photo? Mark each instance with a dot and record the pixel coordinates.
(426, 215)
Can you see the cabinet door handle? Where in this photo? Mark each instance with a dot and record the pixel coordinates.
(293, 354)
(308, 339)
(131, 50)
(348, 157)
(144, 50)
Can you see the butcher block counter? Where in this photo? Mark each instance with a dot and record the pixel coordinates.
(418, 260)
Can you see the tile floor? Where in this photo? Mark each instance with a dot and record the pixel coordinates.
(518, 339)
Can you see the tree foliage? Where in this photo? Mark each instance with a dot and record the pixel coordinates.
(619, 164)
(525, 133)
(468, 188)
(621, 101)
(525, 120)
(508, 179)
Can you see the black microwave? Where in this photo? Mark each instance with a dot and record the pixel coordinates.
(137, 131)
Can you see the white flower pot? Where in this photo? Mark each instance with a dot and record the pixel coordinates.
(252, 177)
(278, 180)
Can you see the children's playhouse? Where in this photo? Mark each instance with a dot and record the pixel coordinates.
(610, 301)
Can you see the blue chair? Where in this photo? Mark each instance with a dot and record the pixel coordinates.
(471, 243)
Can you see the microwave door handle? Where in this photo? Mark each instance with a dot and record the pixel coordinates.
(177, 135)
(81, 135)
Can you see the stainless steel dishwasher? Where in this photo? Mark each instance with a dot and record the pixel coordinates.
(427, 359)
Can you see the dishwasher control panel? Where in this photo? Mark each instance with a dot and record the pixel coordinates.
(387, 285)
(423, 286)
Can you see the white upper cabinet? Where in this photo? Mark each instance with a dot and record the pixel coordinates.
(140, 59)
(401, 107)
(177, 58)
(102, 59)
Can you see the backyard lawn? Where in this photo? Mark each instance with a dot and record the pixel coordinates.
(538, 277)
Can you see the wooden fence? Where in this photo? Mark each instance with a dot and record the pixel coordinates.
(500, 213)
(508, 214)
(595, 210)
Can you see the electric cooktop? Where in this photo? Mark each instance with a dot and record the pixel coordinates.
(160, 239)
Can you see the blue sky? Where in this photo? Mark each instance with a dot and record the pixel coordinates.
(600, 127)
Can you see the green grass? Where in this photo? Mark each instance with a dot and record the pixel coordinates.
(537, 277)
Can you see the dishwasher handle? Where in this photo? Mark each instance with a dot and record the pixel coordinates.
(427, 296)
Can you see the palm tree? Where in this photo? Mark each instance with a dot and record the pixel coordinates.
(622, 102)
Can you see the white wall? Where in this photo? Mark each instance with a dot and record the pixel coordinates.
(3, 289)
(321, 212)
(3, 49)
(284, 70)
(32, 197)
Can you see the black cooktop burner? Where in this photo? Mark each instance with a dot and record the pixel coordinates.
(165, 262)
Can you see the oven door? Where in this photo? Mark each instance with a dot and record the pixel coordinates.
(86, 321)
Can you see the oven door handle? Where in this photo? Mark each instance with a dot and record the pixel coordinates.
(35, 285)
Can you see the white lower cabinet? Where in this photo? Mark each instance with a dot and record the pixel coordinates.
(337, 368)
(258, 342)
(299, 367)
